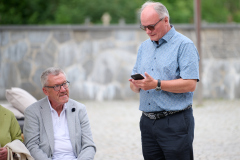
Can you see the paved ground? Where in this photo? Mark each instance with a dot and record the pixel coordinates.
(115, 127)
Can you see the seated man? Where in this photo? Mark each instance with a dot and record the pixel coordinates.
(57, 127)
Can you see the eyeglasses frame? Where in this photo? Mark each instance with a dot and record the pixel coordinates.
(145, 27)
(67, 82)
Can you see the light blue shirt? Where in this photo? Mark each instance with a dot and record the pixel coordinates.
(174, 57)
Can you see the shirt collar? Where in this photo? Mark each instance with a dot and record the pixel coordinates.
(64, 106)
(166, 37)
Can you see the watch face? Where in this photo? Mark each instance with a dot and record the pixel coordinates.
(158, 88)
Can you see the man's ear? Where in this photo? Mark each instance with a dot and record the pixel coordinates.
(45, 91)
(166, 19)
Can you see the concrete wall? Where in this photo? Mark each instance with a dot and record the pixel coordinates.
(98, 60)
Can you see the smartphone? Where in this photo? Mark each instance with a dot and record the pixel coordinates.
(137, 76)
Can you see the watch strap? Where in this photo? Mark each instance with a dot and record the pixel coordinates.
(159, 83)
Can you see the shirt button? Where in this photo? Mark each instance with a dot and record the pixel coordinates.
(152, 69)
(154, 57)
(148, 103)
(148, 92)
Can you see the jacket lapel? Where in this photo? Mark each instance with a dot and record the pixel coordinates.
(47, 121)
(71, 113)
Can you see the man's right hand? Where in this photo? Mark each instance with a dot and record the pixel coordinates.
(3, 153)
(133, 87)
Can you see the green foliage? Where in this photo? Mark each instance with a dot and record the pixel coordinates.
(214, 11)
(180, 11)
(76, 11)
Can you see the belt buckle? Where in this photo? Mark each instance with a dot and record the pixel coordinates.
(159, 115)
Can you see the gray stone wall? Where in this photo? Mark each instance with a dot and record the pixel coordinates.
(98, 59)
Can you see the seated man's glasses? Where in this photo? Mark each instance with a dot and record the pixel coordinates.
(150, 27)
(58, 87)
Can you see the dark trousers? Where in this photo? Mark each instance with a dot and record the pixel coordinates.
(169, 138)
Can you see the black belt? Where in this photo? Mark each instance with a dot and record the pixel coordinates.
(162, 114)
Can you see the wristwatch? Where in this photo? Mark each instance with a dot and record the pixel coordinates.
(158, 88)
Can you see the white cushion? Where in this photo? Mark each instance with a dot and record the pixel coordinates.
(19, 98)
(16, 112)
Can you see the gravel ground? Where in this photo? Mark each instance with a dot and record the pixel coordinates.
(115, 128)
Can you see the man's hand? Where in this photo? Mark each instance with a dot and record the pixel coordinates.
(3, 153)
(175, 86)
(146, 84)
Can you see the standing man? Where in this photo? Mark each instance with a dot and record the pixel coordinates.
(169, 62)
(57, 127)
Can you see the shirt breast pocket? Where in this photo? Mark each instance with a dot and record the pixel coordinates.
(146, 66)
(170, 70)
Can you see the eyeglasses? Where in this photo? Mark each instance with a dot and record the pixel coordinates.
(58, 87)
(150, 27)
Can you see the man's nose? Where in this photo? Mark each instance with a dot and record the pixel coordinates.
(62, 88)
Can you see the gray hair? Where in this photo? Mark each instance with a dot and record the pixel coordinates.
(53, 71)
(158, 7)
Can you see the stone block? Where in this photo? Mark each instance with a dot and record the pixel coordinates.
(16, 52)
(51, 47)
(85, 52)
(75, 74)
(111, 91)
(124, 74)
(102, 73)
(109, 63)
(38, 37)
(230, 36)
(212, 37)
(62, 37)
(223, 51)
(236, 65)
(4, 38)
(44, 59)
(229, 84)
(84, 91)
(32, 89)
(25, 69)
(80, 36)
(88, 67)
(86, 47)
(1, 59)
(36, 77)
(68, 54)
(17, 35)
(237, 89)
(100, 35)
(206, 52)
(220, 92)
(132, 48)
(107, 44)
(237, 50)
(98, 46)
(2, 88)
(11, 76)
(125, 35)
